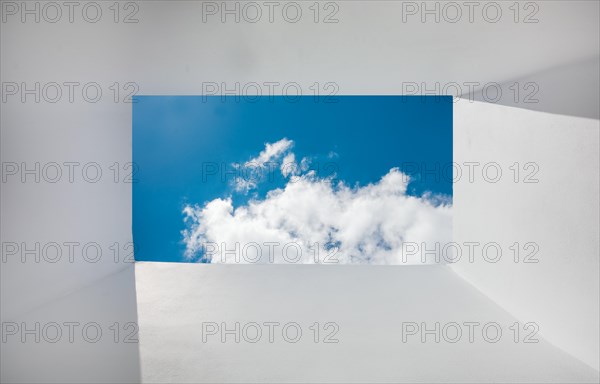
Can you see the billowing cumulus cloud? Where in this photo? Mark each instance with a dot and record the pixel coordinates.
(317, 220)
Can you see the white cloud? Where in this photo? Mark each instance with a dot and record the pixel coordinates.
(290, 168)
(289, 165)
(312, 217)
(244, 185)
(253, 170)
(271, 152)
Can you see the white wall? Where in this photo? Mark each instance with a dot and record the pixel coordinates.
(83, 355)
(369, 304)
(560, 213)
(170, 51)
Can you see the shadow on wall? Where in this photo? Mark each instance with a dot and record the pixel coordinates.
(90, 335)
(572, 90)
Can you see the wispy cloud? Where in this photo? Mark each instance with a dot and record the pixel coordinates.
(255, 168)
(270, 153)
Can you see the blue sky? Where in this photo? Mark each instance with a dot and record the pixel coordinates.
(186, 148)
